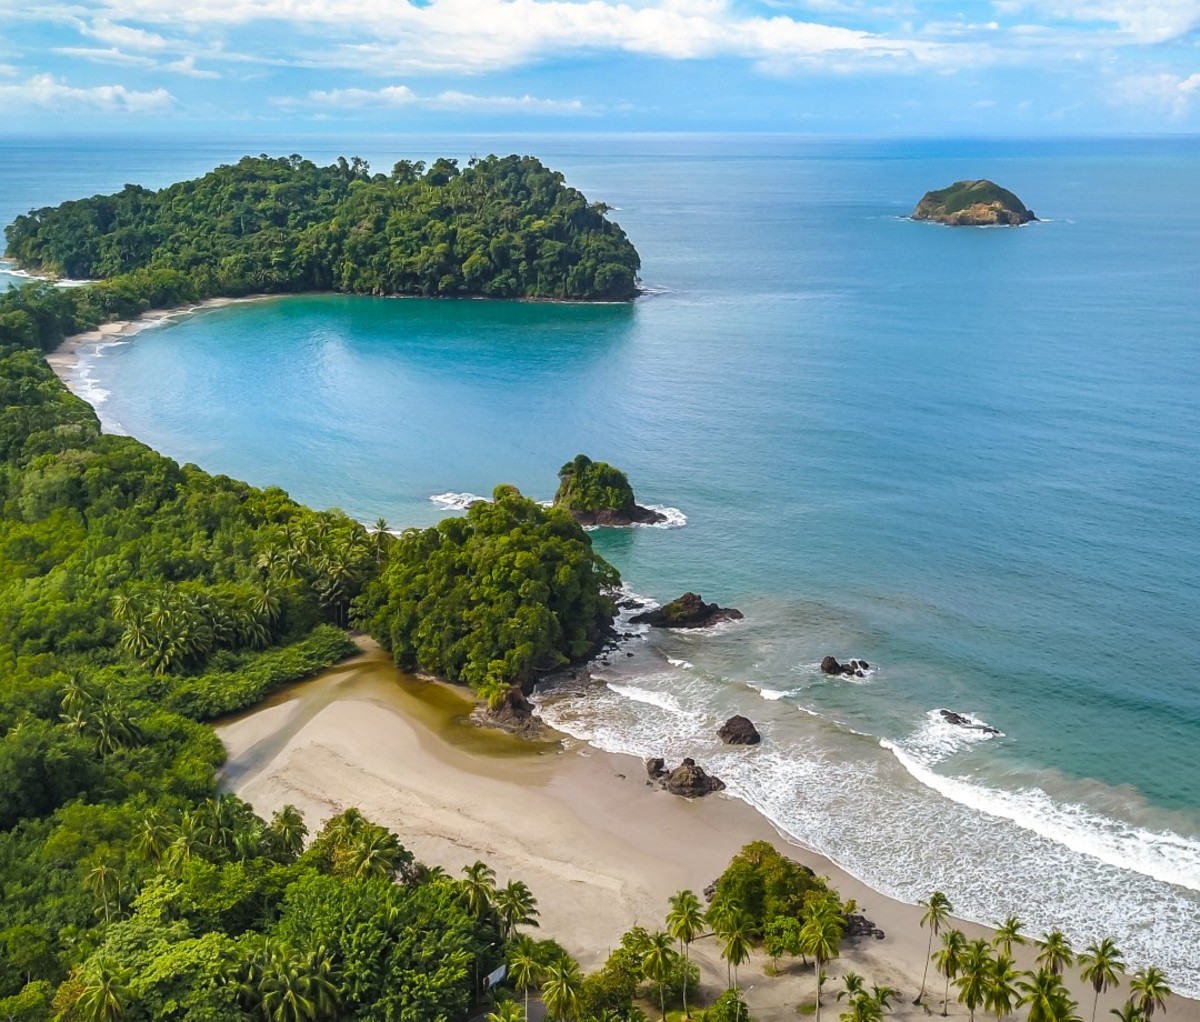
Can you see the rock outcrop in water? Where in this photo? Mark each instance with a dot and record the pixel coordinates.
(514, 713)
(957, 719)
(739, 730)
(688, 780)
(688, 611)
(596, 493)
(850, 669)
(980, 203)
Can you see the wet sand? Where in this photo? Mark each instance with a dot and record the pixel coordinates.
(600, 849)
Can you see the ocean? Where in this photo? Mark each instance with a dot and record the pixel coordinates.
(968, 456)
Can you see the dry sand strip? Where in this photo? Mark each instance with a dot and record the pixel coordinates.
(600, 850)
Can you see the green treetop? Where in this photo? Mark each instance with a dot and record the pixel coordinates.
(586, 486)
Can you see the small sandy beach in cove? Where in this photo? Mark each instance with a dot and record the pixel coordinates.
(600, 850)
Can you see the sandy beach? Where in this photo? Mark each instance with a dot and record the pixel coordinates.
(64, 359)
(600, 849)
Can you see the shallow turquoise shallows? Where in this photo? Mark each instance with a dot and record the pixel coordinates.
(968, 455)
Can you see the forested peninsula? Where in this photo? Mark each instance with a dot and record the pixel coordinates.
(500, 227)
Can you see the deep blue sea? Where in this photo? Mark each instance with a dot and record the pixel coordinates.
(970, 456)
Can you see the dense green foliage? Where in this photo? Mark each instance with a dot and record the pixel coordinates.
(963, 194)
(491, 598)
(767, 886)
(502, 227)
(587, 486)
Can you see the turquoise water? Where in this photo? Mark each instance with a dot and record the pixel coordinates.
(968, 456)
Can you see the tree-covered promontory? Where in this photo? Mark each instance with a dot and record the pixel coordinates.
(502, 227)
(491, 598)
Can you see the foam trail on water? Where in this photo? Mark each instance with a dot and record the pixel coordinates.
(663, 700)
(457, 501)
(682, 664)
(1162, 855)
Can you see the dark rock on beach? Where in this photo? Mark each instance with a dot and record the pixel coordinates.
(688, 611)
(739, 731)
(850, 669)
(514, 714)
(950, 717)
(687, 780)
(858, 926)
(617, 518)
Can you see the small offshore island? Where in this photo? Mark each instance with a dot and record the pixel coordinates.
(980, 203)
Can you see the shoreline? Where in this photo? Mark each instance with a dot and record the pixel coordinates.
(600, 849)
(65, 358)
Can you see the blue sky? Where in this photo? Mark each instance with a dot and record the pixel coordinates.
(924, 67)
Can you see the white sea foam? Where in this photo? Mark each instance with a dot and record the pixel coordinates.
(675, 519)
(937, 739)
(456, 501)
(773, 694)
(663, 700)
(682, 664)
(1161, 855)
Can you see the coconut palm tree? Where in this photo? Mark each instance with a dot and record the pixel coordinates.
(1054, 952)
(506, 1011)
(862, 1008)
(104, 885)
(722, 911)
(1002, 994)
(657, 961)
(1043, 993)
(1128, 1012)
(297, 987)
(516, 906)
(478, 887)
(1009, 933)
(153, 836)
(288, 831)
(974, 975)
(684, 922)
(821, 937)
(1102, 966)
(937, 911)
(523, 966)
(948, 959)
(561, 989)
(855, 985)
(1149, 990)
(739, 941)
(104, 994)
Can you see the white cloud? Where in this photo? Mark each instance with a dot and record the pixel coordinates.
(1140, 21)
(45, 92)
(402, 96)
(1172, 93)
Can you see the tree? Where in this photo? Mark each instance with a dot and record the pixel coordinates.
(737, 944)
(1002, 992)
(105, 994)
(854, 985)
(1043, 993)
(949, 959)
(104, 885)
(1054, 952)
(1101, 965)
(821, 937)
(561, 987)
(506, 1011)
(685, 919)
(524, 967)
(937, 911)
(516, 906)
(975, 974)
(297, 987)
(1149, 990)
(478, 887)
(1009, 933)
(287, 831)
(1128, 1012)
(656, 965)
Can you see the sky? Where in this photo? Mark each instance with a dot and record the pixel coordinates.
(854, 67)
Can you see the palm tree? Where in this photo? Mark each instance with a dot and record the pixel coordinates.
(104, 994)
(948, 960)
(153, 837)
(975, 973)
(738, 943)
(722, 911)
(561, 988)
(478, 886)
(1009, 933)
(684, 922)
(288, 831)
(523, 966)
(657, 961)
(863, 1008)
(1046, 997)
(516, 906)
(855, 985)
(1129, 1012)
(1150, 990)
(297, 987)
(104, 885)
(1002, 993)
(375, 853)
(1101, 965)
(507, 1011)
(821, 937)
(1054, 952)
(937, 911)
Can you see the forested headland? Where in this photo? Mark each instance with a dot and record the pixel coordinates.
(501, 227)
